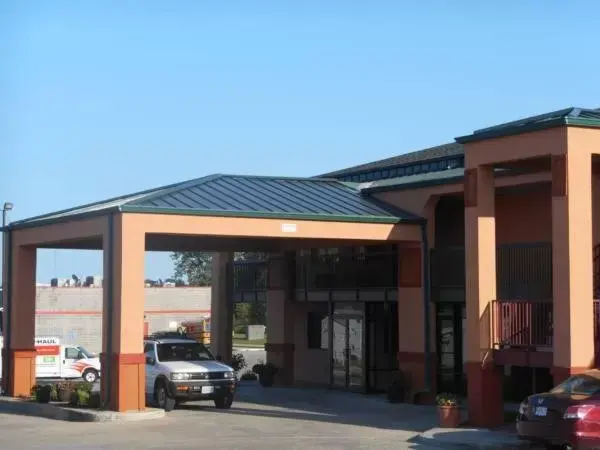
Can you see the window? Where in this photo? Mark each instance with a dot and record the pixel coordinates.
(370, 176)
(408, 170)
(193, 351)
(579, 384)
(355, 177)
(401, 171)
(393, 173)
(317, 335)
(72, 353)
(385, 174)
(424, 167)
(362, 177)
(149, 348)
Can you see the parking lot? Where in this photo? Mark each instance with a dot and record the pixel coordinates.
(261, 418)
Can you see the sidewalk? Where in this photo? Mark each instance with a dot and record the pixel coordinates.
(416, 423)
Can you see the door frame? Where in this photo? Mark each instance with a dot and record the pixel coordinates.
(458, 310)
(362, 388)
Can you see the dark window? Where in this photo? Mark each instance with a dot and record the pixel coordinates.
(385, 174)
(579, 384)
(363, 177)
(425, 167)
(193, 351)
(401, 171)
(452, 163)
(393, 172)
(355, 177)
(408, 170)
(370, 176)
(316, 330)
(377, 175)
(417, 169)
(149, 348)
(72, 353)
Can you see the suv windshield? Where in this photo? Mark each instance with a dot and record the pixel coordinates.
(193, 351)
(578, 385)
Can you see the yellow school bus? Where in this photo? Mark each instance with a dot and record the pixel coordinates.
(197, 329)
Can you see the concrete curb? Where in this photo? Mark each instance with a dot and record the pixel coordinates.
(10, 405)
(470, 438)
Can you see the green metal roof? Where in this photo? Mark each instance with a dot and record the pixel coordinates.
(245, 196)
(569, 116)
(428, 154)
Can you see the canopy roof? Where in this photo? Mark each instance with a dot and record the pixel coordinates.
(244, 196)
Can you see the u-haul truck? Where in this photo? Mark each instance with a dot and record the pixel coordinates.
(54, 360)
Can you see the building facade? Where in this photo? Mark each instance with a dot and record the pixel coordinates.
(468, 267)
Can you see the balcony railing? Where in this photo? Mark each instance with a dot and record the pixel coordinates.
(520, 323)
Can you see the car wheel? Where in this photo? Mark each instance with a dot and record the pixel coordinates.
(162, 398)
(90, 376)
(224, 402)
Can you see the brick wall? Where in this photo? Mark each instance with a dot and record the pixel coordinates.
(75, 314)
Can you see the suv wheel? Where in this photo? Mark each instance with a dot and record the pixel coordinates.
(162, 397)
(224, 402)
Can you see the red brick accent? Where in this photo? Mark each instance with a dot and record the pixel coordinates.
(412, 364)
(282, 356)
(409, 267)
(484, 392)
(128, 381)
(559, 175)
(470, 182)
(21, 377)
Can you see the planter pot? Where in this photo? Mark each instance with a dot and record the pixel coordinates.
(64, 395)
(266, 380)
(449, 416)
(43, 396)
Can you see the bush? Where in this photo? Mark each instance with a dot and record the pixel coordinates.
(43, 394)
(249, 376)
(238, 362)
(82, 394)
(266, 373)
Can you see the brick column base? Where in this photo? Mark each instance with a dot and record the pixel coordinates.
(21, 373)
(282, 356)
(412, 364)
(127, 374)
(484, 391)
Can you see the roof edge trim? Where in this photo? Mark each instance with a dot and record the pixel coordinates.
(35, 222)
(513, 131)
(271, 215)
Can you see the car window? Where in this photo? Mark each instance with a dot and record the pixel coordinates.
(192, 351)
(149, 348)
(578, 384)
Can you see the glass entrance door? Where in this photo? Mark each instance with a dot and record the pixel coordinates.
(382, 345)
(451, 326)
(347, 361)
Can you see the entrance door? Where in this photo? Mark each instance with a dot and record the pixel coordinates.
(451, 326)
(347, 362)
(382, 345)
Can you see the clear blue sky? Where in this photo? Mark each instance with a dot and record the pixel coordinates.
(104, 98)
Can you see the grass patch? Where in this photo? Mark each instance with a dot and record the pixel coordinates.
(247, 343)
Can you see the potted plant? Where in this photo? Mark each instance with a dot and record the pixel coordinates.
(266, 373)
(64, 389)
(43, 394)
(448, 410)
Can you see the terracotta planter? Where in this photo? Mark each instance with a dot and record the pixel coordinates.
(449, 416)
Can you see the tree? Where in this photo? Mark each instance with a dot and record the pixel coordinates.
(196, 267)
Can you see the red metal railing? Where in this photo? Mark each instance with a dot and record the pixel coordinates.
(521, 323)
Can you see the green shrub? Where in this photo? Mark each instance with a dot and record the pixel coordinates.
(238, 362)
(83, 397)
(249, 376)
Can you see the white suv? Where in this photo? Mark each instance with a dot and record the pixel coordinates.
(180, 369)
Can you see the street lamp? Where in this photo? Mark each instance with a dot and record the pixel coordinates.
(7, 207)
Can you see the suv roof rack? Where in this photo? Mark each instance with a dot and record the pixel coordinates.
(168, 335)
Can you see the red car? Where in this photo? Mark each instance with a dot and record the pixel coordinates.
(567, 417)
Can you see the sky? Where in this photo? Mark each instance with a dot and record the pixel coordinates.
(99, 99)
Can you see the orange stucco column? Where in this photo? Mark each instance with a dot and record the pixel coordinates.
(572, 265)
(123, 363)
(18, 353)
(484, 387)
(221, 306)
(280, 316)
(411, 336)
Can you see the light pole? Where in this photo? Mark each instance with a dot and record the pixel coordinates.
(7, 207)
